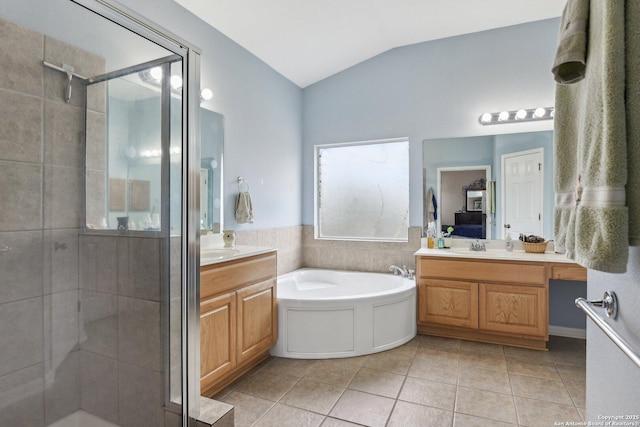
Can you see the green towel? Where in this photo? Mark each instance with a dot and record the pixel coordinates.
(597, 143)
(570, 61)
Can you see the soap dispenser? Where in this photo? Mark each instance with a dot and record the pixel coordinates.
(508, 243)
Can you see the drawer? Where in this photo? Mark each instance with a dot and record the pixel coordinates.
(482, 270)
(219, 278)
(568, 272)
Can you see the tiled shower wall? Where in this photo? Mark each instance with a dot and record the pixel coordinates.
(297, 248)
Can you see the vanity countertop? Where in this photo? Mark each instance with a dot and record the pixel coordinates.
(214, 255)
(497, 254)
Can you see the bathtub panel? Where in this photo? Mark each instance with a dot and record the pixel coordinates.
(394, 323)
(321, 331)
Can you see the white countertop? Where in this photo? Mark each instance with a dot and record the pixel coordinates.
(214, 255)
(461, 249)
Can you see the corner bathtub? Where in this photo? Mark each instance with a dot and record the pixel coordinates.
(329, 314)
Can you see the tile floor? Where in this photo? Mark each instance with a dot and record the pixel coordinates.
(429, 381)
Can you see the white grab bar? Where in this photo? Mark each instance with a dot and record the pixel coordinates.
(610, 303)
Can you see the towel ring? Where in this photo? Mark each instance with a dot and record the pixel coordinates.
(241, 181)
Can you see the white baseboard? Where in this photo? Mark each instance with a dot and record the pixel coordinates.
(562, 331)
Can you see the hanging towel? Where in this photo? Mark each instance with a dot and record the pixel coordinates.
(244, 209)
(597, 144)
(570, 61)
(432, 206)
(491, 198)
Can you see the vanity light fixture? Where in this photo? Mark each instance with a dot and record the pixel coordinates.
(206, 94)
(516, 116)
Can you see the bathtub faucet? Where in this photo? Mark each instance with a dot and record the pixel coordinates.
(402, 271)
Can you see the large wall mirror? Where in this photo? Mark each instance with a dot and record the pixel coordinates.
(482, 184)
(212, 140)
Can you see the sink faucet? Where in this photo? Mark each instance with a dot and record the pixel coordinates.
(402, 271)
(477, 246)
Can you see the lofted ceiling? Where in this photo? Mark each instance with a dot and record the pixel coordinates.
(309, 40)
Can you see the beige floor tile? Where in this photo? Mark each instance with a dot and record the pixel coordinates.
(540, 388)
(247, 409)
(430, 393)
(444, 371)
(313, 396)
(436, 354)
(335, 422)
(407, 414)
(406, 350)
(363, 408)
(496, 362)
(377, 382)
(481, 347)
(286, 416)
(332, 372)
(439, 342)
(572, 373)
(294, 367)
(533, 356)
(484, 379)
(267, 385)
(464, 420)
(578, 393)
(486, 404)
(540, 370)
(388, 362)
(534, 413)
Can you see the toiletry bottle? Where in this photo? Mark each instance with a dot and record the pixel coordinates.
(440, 242)
(508, 243)
(430, 237)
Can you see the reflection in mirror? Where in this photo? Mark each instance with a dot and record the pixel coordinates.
(212, 140)
(474, 152)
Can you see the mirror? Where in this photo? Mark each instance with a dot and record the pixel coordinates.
(452, 163)
(212, 140)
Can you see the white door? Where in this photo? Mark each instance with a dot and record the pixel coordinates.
(522, 195)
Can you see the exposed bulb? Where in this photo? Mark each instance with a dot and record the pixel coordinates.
(503, 116)
(156, 73)
(539, 113)
(486, 118)
(176, 82)
(521, 114)
(206, 94)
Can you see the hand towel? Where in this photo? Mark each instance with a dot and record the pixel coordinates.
(570, 61)
(430, 199)
(596, 147)
(244, 209)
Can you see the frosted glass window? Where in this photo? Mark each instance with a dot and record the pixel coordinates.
(362, 190)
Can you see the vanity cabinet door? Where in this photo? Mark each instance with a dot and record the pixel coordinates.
(257, 319)
(448, 302)
(515, 309)
(217, 338)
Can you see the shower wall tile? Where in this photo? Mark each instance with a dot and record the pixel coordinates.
(21, 124)
(267, 238)
(60, 323)
(97, 97)
(139, 267)
(63, 134)
(96, 140)
(84, 63)
(21, 194)
(99, 263)
(99, 385)
(62, 386)
(139, 337)
(21, 64)
(99, 323)
(248, 238)
(21, 276)
(21, 334)
(60, 260)
(134, 412)
(22, 397)
(141, 385)
(62, 197)
(96, 210)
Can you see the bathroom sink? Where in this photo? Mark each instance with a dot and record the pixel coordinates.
(207, 255)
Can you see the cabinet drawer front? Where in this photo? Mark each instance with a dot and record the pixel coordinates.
(568, 272)
(257, 318)
(217, 338)
(448, 302)
(513, 309)
(217, 278)
(481, 270)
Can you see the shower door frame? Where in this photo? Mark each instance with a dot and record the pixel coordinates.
(190, 204)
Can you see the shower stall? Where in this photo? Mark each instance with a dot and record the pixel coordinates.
(97, 225)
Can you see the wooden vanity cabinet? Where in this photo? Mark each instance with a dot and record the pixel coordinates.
(484, 300)
(238, 318)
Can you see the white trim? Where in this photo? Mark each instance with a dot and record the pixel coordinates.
(503, 188)
(562, 331)
(486, 168)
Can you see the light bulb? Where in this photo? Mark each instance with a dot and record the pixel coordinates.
(539, 113)
(521, 114)
(206, 94)
(156, 73)
(503, 116)
(486, 118)
(176, 82)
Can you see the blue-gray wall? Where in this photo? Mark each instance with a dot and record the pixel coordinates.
(431, 90)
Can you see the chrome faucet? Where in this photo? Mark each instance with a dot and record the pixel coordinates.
(478, 246)
(402, 271)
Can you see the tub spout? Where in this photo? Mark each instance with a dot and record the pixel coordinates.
(399, 271)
